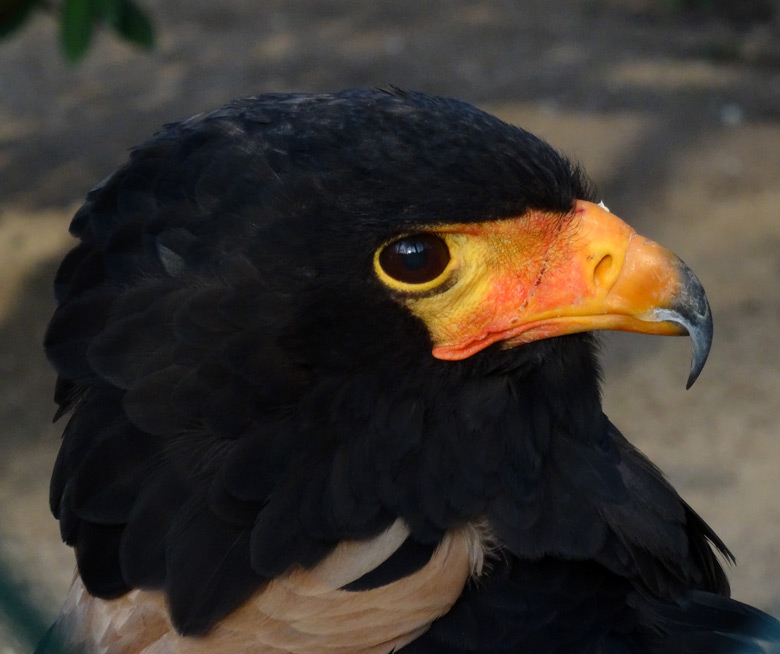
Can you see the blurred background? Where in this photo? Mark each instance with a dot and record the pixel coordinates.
(673, 106)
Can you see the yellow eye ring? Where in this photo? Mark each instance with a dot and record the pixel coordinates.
(414, 262)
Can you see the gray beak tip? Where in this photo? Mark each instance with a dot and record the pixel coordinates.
(691, 311)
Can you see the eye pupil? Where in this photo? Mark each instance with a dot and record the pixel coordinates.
(415, 259)
(413, 253)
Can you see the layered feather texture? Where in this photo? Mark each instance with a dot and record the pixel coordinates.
(252, 412)
(302, 611)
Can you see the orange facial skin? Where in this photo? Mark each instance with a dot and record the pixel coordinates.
(592, 271)
(541, 275)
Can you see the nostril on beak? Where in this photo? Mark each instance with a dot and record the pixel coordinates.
(601, 273)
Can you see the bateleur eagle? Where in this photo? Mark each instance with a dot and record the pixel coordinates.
(332, 390)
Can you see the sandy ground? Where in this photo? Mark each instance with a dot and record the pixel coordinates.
(676, 116)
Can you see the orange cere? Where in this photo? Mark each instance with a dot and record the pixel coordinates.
(542, 275)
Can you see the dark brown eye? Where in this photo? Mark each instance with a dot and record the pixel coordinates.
(415, 259)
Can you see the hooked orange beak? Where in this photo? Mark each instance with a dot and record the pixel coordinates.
(595, 272)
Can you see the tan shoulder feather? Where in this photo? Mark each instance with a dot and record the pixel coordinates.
(302, 612)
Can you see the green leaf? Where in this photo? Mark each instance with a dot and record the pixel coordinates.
(76, 28)
(133, 24)
(13, 13)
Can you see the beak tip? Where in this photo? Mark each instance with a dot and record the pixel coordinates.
(697, 319)
(692, 377)
(691, 311)
(700, 331)
(701, 341)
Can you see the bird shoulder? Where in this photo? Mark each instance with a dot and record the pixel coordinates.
(303, 611)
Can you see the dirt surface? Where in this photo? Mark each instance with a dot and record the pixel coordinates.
(676, 117)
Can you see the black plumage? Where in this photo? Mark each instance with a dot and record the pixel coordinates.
(245, 394)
